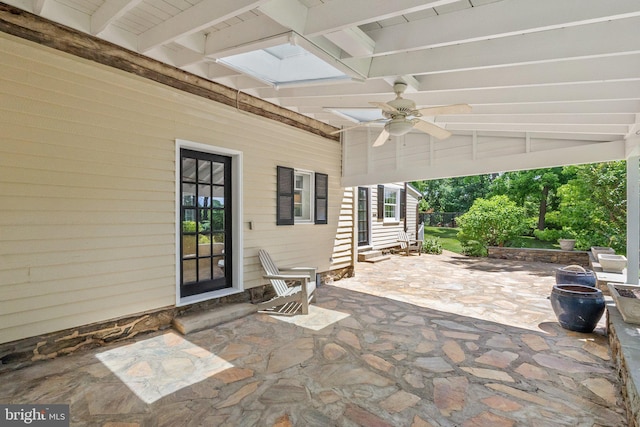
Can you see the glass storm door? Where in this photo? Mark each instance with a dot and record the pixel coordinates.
(205, 214)
(363, 216)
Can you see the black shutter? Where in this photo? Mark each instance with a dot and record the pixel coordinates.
(403, 204)
(380, 201)
(321, 198)
(284, 215)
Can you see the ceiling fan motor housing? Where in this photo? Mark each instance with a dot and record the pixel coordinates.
(404, 108)
(399, 87)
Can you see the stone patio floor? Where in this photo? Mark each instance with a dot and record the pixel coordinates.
(412, 341)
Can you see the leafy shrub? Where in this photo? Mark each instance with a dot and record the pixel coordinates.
(432, 246)
(548, 235)
(473, 248)
(188, 226)
(492, 221)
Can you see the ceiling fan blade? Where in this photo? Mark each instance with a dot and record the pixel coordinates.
(384, 107)
(432, 129)
(357, 126)
(382, 138)
(446, 109)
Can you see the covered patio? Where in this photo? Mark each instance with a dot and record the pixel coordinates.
(102, 101)
(414, 341)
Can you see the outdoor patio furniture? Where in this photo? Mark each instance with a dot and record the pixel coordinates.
(409, 244)
(289, 299)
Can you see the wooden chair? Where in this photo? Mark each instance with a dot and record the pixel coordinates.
(288, 299)
(408, 244)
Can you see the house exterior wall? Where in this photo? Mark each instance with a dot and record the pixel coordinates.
(87, 189)
(343, 247)
(385, 234)
(413, 197)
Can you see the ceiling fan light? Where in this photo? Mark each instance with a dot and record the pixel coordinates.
(399, 127)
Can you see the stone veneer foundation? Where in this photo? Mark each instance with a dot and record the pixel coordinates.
(24, 352)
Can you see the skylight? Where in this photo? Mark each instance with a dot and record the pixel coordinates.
(358, 115)
(285, 62)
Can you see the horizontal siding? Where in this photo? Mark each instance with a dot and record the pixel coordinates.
(344, 240)
(412, 213)
(87, 189)
(383, 235)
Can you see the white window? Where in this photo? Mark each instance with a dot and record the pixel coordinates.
(302, 196)
(391, 204)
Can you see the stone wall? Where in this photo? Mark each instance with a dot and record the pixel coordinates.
(625, 352)
(553, 256)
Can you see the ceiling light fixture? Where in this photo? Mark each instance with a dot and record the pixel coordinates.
(399, 127)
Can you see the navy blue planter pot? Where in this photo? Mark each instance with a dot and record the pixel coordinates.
(575, 274)
(577, 307)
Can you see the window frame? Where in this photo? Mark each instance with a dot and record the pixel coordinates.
(285, 196)
(395, 205)
(309, 204)
(400, 204)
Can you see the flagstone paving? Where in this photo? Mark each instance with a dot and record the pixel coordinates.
(413, 341)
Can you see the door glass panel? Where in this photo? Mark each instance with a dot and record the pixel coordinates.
(204, 196)
(217, 220)
(189, 271)
(218, 267)
(188, 195)
(204, 171)
(217, 194)
(188, 169)
(217, 174)
(205, 269)
(188, 246)
(204, 245)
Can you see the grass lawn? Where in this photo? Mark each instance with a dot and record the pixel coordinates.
(449, 240)
(448, 237)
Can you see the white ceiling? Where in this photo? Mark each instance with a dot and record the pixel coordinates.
(567, 69)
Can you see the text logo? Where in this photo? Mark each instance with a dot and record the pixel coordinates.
(34, 415)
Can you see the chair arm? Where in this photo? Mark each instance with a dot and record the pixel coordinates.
(286, 276)
(310, 271)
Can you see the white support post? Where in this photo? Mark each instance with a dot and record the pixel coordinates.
(633, 219)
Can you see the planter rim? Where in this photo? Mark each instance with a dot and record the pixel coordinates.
(583, 289)
(586, 271)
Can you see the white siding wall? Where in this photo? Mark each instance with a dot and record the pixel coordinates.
(385, 234)
(344, 242)
(412, 210)
(87, 189)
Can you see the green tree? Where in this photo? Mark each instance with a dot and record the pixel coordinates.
(593, 205)
(492, 221)
(453, 194)
(535, 190)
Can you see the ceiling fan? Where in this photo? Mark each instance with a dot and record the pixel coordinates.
(401, 116)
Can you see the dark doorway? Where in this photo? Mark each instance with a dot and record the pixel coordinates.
(205, 214)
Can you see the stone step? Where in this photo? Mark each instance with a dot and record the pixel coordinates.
(378, 258)
(363, 256)
(207, 319)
